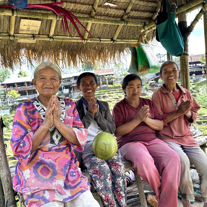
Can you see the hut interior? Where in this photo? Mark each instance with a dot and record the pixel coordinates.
(36, 34)
(33, 34)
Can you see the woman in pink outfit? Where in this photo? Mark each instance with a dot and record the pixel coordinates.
(180, 109)
(136, 120)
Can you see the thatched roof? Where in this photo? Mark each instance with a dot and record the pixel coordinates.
(121, 29)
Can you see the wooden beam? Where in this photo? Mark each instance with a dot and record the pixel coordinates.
(30, 37)
(93, 12)
(29, 14)
(73, 5)
(181, 9)
(53, 25)
(12, 24)
(197, 18)
(123, 18)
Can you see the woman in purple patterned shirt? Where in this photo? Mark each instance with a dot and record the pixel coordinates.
(46, 129)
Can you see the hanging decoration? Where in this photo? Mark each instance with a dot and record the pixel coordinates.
(146, 58)
(58, 11)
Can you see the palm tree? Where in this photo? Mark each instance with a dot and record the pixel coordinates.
(13, 94)
(22, 74)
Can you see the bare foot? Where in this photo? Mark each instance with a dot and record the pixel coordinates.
(205, 205)
(186, 203)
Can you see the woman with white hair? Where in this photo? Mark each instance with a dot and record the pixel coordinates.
(46, 129)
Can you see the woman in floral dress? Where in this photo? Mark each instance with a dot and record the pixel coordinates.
(46, 129)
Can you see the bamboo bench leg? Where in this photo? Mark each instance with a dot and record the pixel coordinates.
(140, 189)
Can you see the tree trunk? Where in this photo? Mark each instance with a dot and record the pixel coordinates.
(2, 201)
(5, 171)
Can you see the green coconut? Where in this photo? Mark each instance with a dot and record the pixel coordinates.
(104, 145)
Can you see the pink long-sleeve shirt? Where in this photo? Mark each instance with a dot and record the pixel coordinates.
(178, 129)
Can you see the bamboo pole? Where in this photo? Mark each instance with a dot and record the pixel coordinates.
(137, 2)
(5, 172)
(169, 57)
(123, 18)
(29, 14)
(53, 25)
(184, 65)
(63, 39)
(12, 23)
(93, 12)
(185, 7)
(205, 36)
(197, 18)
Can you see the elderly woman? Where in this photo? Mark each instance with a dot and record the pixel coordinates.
(107, 176)
(136, 120)
(180, 109)
(46, 129)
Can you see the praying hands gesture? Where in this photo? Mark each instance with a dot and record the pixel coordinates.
(184, 108)
(92, 105)
(57, 110)
(53, 112)
(143, 113)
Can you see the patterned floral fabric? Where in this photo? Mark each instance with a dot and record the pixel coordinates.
(108, 178)
(50, 173)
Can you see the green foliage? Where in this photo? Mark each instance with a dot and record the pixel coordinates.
(117, 84)
(13, 94)
(4, 74)
(201, 99)
(202, 59)
(200, 85)
(2, 95)
(22, 74)
(88, 66)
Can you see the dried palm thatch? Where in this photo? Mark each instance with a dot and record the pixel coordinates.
(114, 31)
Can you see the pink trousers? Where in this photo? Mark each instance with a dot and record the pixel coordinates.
(158, 165)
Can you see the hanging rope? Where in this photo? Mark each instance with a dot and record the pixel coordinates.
(58, 11)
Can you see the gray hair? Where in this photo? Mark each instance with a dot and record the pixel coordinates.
(167, 62)
(47, 64)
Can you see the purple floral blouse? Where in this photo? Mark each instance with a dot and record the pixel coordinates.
(51, 172)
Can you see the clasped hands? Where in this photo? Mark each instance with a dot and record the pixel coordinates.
(184, 108)
(53, 113)
(143, 114)
(92, 105)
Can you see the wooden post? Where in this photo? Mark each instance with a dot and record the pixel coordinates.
(169, 57)
(53, 25)
(12, 24)
(5, 172)
(140, 189)
(184, 65)
(205, 36)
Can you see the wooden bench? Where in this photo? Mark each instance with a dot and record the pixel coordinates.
(128, 166)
